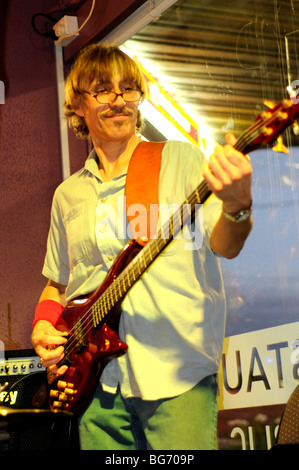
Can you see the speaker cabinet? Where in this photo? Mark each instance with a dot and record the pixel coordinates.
(26, 423)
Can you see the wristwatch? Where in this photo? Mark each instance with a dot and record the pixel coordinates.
(244, 214)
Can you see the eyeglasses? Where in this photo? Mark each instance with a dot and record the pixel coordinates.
(108, 97)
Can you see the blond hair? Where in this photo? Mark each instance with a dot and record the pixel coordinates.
(96, 63)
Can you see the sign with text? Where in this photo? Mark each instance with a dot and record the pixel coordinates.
(259, 368)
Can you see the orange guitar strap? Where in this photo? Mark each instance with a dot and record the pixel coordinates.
(142, 190)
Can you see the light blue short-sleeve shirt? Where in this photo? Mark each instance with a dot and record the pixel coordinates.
(173, 317)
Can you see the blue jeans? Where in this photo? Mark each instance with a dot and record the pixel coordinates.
(185, 422)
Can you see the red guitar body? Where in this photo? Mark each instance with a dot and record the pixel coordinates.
(89, 349)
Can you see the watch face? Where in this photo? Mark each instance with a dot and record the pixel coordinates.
(242, 215)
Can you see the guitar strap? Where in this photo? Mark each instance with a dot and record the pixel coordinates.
(142, 190)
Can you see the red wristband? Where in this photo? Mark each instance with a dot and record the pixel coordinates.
(49, 310)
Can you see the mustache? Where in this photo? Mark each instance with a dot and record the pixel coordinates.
(115, 111)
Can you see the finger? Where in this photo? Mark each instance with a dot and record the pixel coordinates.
(232, 163)
(230, 139)
(220, 166)
(50, 336)
(212, 181)
(53, 355)
(58, 370)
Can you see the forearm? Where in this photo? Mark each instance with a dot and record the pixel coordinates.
(54, 291)
(51, 303)
(46, 339)
(228, 237)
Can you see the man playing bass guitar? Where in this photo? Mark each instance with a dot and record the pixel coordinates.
(161, 393)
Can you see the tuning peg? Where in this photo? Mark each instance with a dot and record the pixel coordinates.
(269, 104)
(293, 93)
(295, 127)
(280, 147)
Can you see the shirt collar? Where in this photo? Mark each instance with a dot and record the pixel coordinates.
(92, 166)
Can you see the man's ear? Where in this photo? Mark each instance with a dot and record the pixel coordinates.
(77, 106)
(79, 111)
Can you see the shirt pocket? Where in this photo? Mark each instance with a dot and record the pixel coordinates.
(74, 226)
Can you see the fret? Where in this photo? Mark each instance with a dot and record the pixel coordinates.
(150, 252)
(170, 227)
(188, 208)
(137, 262)
(119, 288)
(104, 306)
(101, 310)
(128, 278)
(95, 315)
(133, 272)
(143, 259)
(162, 233)
(108, 298)
(123, 282)
(158, 249)
(114, 293)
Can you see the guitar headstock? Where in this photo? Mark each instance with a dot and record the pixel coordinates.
(269, 125)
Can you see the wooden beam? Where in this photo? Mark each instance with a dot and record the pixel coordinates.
(106, 16)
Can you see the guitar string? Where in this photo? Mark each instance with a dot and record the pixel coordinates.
(240, 145)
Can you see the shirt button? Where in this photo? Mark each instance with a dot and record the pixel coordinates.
(103, 199)
(110, 258)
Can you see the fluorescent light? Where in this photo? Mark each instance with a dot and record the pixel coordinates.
(173, 112)
(147, 13)
(154, 117)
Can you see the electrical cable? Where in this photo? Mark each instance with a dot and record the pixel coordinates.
(51, 34)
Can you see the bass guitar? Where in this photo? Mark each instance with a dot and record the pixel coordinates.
(93, 321)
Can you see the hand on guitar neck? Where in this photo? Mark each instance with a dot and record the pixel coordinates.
(228, 175)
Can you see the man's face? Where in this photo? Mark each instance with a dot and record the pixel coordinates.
(110, 122)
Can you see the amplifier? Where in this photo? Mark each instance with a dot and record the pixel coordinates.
(19, 362)
(26, 423)
(21, 376)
